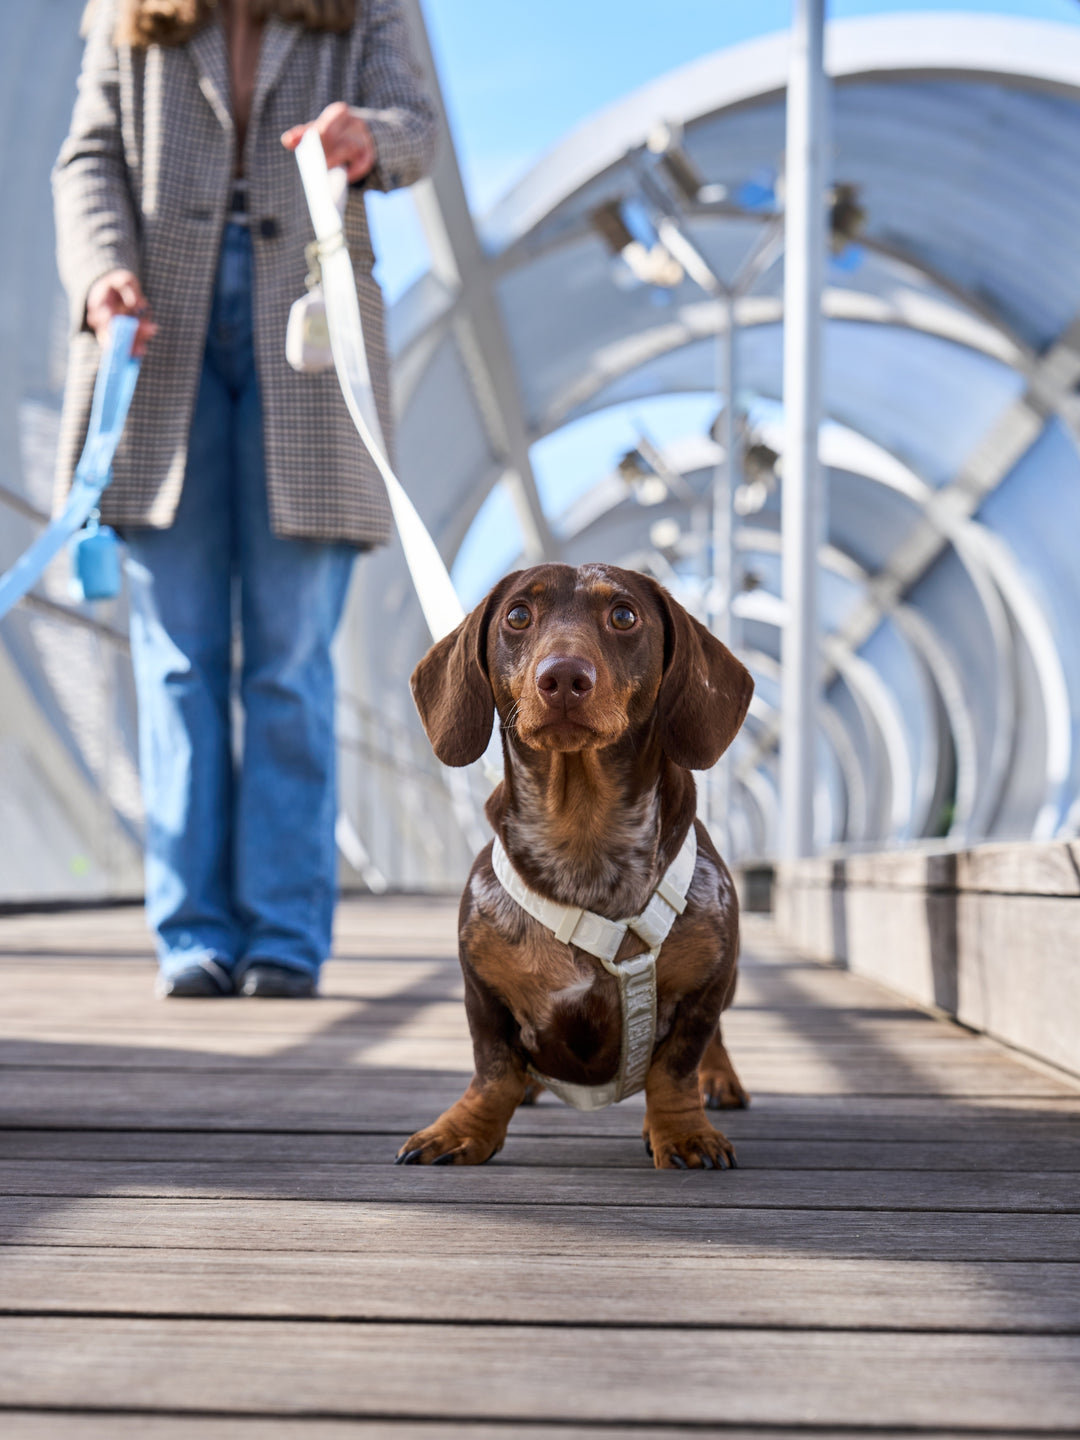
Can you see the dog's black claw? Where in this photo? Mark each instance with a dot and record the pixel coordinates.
(733, 1164)
(648, 1145)
(679, 1162)
(447, 1159)
(706, 1163)
(411, 1157)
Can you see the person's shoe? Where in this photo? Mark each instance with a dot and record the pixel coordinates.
(267, 980)
(205, 980)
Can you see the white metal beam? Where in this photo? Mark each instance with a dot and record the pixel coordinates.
(802, 501)
(458, 261)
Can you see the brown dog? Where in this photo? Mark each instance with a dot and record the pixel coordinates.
(608, 694)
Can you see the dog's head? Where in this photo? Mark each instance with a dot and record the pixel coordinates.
(576, 659)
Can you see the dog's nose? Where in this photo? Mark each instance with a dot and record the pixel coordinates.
(565, 680)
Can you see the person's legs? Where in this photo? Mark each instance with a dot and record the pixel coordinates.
(291, 596)
(181, 601)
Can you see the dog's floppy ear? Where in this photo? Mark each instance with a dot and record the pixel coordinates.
(452, 690)
(705, 692)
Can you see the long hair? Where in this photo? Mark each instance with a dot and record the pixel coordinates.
(172, 22)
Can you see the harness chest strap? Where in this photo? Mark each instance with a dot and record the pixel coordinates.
(636, 976)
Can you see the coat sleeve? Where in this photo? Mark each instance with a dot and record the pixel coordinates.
(96, 229)
(391, 96)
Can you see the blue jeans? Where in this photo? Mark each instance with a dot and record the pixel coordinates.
(240, 854)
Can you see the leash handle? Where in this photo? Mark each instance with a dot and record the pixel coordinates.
(439, 601)
(117, 375)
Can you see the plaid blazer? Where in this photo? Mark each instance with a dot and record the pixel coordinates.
(143, 183)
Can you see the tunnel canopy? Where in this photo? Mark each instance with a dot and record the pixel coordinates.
(596, 292)
(952, 354)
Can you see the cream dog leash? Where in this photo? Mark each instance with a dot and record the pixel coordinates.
(443, 611)
(636, 976)
(439, 601)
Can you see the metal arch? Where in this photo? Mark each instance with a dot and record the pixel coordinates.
(861, 457)
(1030, 53)
(762, 790)
(962, 66)
(857, 818)
(858, 49)
(924, 639)
(874, 700)
(1038, 635)
(931, 651)
(843, 448)
(703, 320)
(932, 56)
(996, 577)
(934, 664)
(970, 323)
(480, 334)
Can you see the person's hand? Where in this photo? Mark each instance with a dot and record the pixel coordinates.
(346, 139)
(119, 293)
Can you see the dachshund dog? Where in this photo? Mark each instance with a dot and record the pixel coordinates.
(608, 694)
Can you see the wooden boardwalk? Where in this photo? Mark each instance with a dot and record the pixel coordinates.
(201, 1234)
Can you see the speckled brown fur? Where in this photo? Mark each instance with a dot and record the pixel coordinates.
(602, 722)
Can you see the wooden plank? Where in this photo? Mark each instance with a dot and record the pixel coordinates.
(363, 925)
(507, 1372)
(503, 1183)
(1018, 1151)
(415, 1099)
(385, 1084)
(496, 1230)
(586, 1289)
(192, 1086)
(54, 1425)
(343, 1046)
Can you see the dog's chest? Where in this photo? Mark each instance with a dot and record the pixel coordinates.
(560, 997)
(565, 1003)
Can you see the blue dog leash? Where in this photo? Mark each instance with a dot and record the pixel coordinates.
(117, 374)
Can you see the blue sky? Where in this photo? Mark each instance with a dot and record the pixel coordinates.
(516, 77)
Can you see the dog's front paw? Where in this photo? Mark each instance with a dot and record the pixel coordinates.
(446, 1144)
(696, 1149)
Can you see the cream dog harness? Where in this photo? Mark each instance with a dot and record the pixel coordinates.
(636, 976)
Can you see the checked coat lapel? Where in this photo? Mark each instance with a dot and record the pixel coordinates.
(277, 41)
(210, 57)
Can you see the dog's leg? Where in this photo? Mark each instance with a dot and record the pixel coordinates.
(721, 1088)
(473, 1129)
(677, 1133)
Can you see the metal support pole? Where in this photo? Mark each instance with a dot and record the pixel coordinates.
(725, 483)
(724, 486)
(804, 272)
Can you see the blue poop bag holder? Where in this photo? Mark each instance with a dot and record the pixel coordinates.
(95, 552)
(95, 562)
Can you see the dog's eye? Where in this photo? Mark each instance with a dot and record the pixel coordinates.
(623, 618)
(519, 618)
